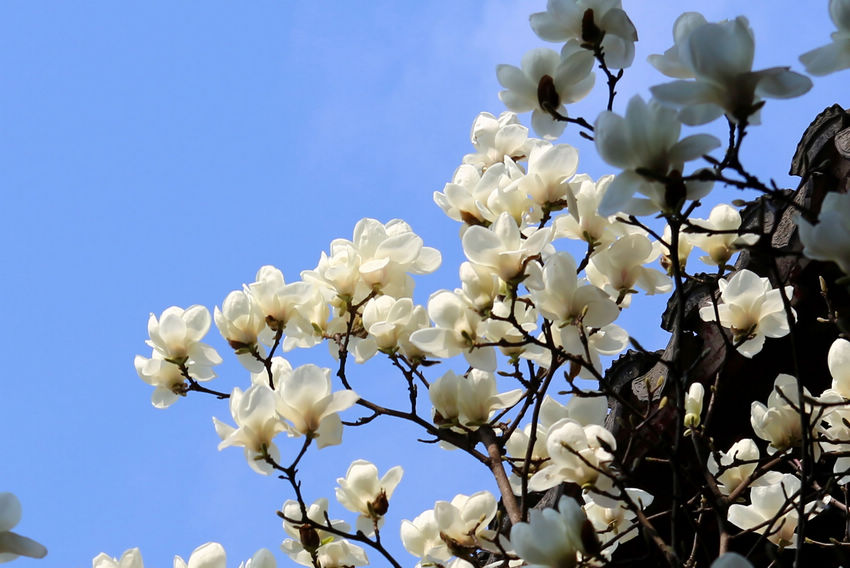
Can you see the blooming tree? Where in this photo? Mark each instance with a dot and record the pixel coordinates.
(728, 448)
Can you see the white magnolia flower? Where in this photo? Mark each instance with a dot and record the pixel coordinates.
(177, 335)
(550, 167)
(470, 194)
(132, 558)
(551, 538)
(463, 522)
(834, 56)
(304, 537)
(360, 491)
(838, 361)
(584, 221)
(306, 400)
(263, 558)
(720, 246)
(281, 370)
(647, 138)
(167, 378)
(779, 421)
(773, 511)
(590, 344)
(209, 555)
(752, 309)
(564, 301)
(480, 285)
(254, 412)
(293, 307)
(379, 257)
(684, 249)
(619, 269)
(577, 454)
(584, 410)
(12, 544)
(469, 400)
(693, 405)
(500, 330)
(421, 537)
(495, 138)
(547, 82)
(737, 465)
(502, 248)
(389, 323)
(456, 330)
(617, 521)
(241, 322)
(720, 59)
(829, 239)
(341, 554)
(564, 20)
(836, 434)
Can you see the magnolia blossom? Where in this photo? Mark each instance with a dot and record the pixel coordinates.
(685, 245)
(293, 307)
(421, 537)
(618, 521)
(209, 555)
(176, 336)
(463, 521)
(132, 558)
(496, 328)
(551, 538)
(720, 246)
(719, 57)
(457, 330)
(550, 168)
(584, 410)
(502, 248)
(829, 239)
(241, 322)
(836, 434)
(647, 138)
(480, 286)
(577, 454)
(547, 82)
(379, 257)
(495, 138)
(620, 268)
(584, 221)
(307, 540)
(737, 465)
(779, 421)
(564, 301)
(257, 424)
(752, 309)
(834, 56)
(470, 194)
(306, 400)
(609, 25)
(772, 511)
(341, 554)
(360, 491)
(389, 323)
(167, 378)
(693, 405)
(12, 544)
(468, 400)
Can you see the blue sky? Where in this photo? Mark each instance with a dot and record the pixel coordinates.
(158, 153)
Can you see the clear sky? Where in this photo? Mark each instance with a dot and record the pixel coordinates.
(157, 153)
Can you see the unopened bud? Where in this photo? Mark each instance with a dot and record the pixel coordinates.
(379, 507)
(309, 538)
(547, 94)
